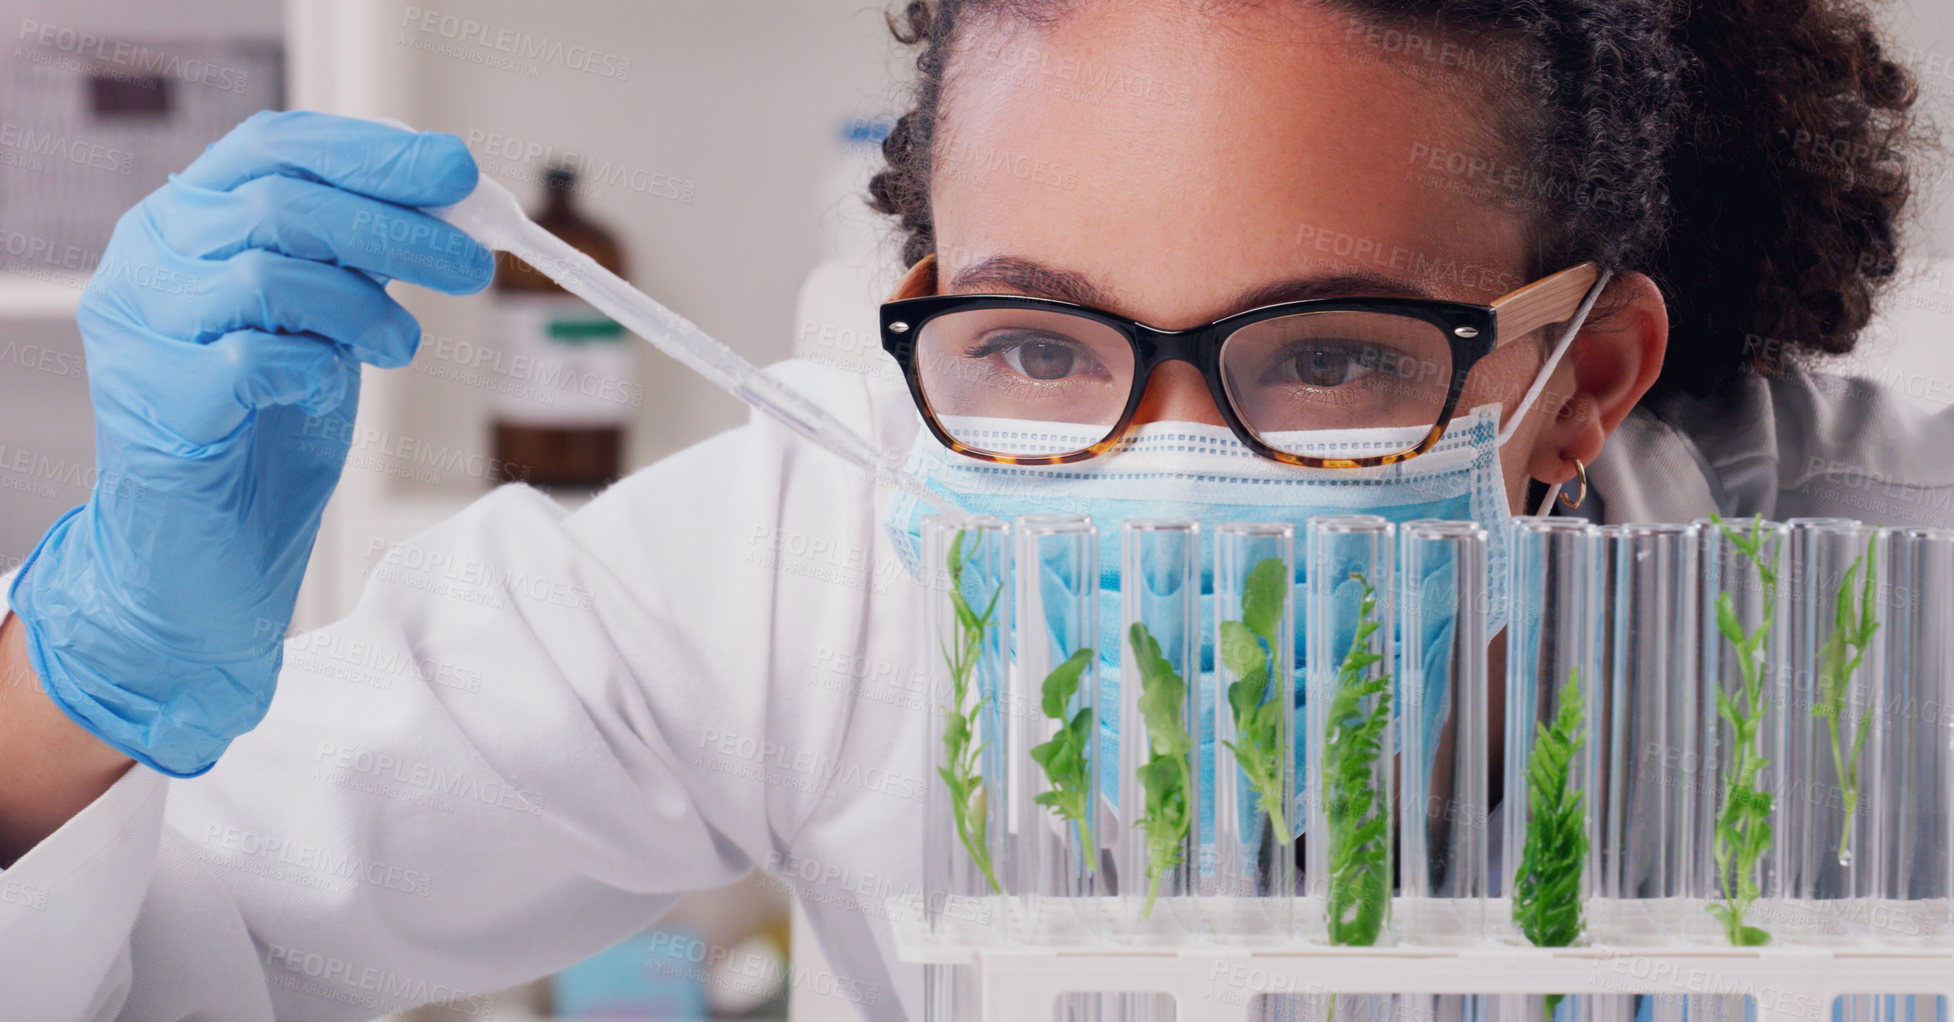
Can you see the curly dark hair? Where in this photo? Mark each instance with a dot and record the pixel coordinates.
(1751, 157)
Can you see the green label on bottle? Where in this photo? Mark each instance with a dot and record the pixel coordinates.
(584, 331)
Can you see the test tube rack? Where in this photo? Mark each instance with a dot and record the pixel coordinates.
(1020, 982)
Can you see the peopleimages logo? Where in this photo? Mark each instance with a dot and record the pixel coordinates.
(523, 155)
(516, 43)
(59, 148)
(141, 60)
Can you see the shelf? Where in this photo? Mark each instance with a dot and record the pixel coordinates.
(53, 295)
(1213, 980)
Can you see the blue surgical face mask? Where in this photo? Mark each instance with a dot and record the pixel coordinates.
(1202, 472)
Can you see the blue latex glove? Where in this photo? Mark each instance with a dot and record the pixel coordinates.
(224, 331)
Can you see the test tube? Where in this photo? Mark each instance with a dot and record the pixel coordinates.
(1159, 798)
(1057, 747)
(1646, 734)
(1742, 609)
(966, 847)
(1442, 732)
(1347, 736)
(1827, 856)
(1255, 806)
(1916, 761)
(1553, 680)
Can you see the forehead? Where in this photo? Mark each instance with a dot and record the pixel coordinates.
(1176, 157)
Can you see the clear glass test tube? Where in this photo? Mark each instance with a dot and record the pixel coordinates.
(1442, 733)
(1738, 709)
(1347, 735)
(1648, 785)
(966, 839)
(1553, 675)
(1916, 759)
(1254, 794)
(1159, 733)
(1826, 853)
(1057, 745)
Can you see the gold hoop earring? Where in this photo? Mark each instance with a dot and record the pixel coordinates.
(1581, 495)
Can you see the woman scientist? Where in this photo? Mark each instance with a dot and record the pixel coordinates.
(538, 728)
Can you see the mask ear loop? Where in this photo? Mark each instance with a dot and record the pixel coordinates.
(1540, 380)
(1547, 503)
(1553, 358)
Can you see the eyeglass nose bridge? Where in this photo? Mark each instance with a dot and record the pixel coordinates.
(1199, 347)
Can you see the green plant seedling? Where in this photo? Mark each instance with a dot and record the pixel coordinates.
(1064, 756)
(1167, 777)
(1358, 815)
(969, 802)
(1852, 632)
(1547, 884)
(1743, 826)
(1248, 648)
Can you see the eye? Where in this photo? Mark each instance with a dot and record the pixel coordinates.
(1042, 360)
(1042, 357)
(1328, 364)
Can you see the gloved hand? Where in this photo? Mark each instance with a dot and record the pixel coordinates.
(224, 331)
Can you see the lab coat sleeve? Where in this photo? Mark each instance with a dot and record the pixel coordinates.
(534, 732)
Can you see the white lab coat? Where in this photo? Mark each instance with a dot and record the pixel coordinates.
(539, 728)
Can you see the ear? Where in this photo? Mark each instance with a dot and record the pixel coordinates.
(1614, 361)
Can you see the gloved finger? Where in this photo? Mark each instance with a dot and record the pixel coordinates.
(187, 400)
(260, 290)
(314, 221)
(412, 168)
(306, 370)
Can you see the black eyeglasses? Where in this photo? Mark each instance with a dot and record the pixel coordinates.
(1323, 383)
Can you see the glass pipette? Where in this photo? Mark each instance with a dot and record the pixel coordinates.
(492, 216)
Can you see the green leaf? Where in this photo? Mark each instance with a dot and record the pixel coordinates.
(1042, 754)
(1162, 693)
(956, 730)
(1063, 683)
(1727, 620)
(1241, 651)
(1866, 599)
(1263, 596)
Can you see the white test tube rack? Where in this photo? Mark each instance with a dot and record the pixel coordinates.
(1020, 982)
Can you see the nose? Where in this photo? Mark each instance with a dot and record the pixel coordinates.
(1177, 391)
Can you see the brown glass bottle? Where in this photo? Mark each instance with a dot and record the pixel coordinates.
(571, 388)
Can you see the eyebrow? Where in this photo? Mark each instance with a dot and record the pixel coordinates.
(1031, 278)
